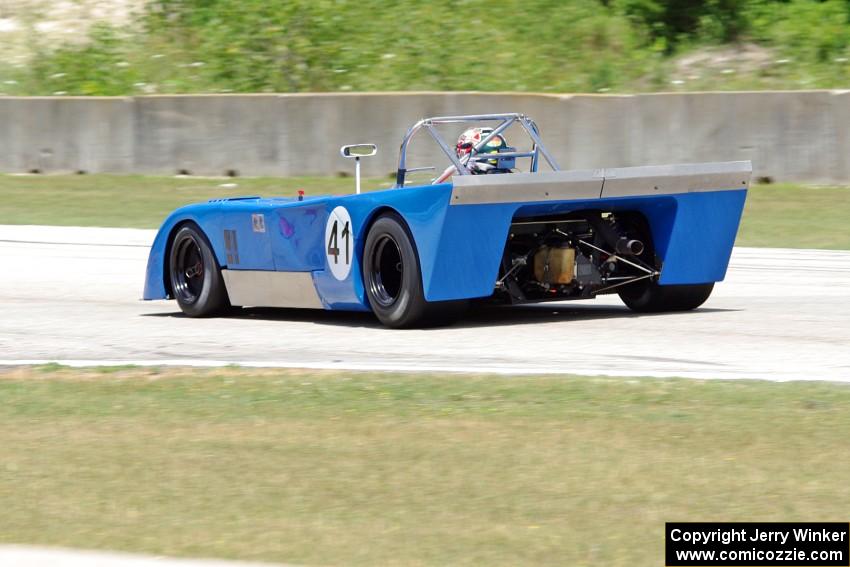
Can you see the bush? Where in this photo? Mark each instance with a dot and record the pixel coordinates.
(185, 46)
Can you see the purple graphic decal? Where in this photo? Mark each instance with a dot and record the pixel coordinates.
(286, 229)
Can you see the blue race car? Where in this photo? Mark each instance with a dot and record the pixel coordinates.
(417, 253)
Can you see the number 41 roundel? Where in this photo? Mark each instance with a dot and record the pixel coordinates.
(339, 243)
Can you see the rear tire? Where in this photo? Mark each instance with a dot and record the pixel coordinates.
(195, 276)
(654, 298)
(393, 279)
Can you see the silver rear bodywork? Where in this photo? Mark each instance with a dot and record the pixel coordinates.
(601, 183)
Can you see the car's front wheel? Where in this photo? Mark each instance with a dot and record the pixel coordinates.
(195, 276)
(393, 279)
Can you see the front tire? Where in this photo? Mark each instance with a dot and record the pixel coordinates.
(393, 279)
(195, 276)
(653, 298)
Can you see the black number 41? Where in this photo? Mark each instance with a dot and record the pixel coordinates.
(333, 242)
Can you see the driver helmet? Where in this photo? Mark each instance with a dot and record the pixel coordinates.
(472, 136)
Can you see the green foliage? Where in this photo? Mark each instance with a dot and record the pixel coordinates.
(188, 46)
(814, 31)
(96, 68)
(675, 20)
(341, 45)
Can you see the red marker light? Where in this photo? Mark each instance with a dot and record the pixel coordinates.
(300, 194)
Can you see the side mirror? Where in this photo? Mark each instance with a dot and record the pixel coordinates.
(358, 151)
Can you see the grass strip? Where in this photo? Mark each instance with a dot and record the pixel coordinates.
(322, 468)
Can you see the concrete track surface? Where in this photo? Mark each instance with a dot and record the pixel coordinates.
(71, 295)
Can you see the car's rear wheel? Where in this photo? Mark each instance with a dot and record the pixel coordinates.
(195, 276)
(393, 279)
(649, 297)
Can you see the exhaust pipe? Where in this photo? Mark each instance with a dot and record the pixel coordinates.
(622, 245)
(629, 247)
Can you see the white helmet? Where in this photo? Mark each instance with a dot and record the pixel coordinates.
(474, 135)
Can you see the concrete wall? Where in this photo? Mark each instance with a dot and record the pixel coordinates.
(789, 136)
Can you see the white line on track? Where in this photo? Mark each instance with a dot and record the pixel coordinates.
(396, 368)
(31, 556)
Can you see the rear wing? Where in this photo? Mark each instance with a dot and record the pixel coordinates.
(588, 184)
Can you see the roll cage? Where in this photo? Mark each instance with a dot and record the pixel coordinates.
(461, 164)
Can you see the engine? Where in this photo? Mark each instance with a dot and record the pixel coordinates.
(574, 257)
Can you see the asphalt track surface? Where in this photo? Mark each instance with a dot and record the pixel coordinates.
(71, 295)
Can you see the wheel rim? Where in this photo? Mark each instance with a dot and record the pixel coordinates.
(387, 273)
(188, 273)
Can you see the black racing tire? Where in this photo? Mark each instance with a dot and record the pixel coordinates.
(393, 279)
(653, 298)
(195, 275)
